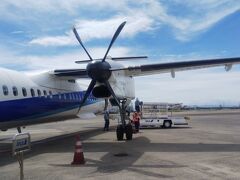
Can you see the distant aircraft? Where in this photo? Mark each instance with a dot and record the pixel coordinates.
(56, 95)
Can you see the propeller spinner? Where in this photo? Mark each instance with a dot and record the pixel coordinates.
(99, 71)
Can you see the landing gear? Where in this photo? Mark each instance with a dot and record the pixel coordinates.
(129, 131)
(120, 132)
(123, 127)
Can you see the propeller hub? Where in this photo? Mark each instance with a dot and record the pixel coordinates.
(99, 71)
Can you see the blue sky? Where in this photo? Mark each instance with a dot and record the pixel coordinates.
(36, 36)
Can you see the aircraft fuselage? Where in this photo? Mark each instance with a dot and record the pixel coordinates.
(26, 100)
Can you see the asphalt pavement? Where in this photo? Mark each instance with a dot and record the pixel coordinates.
(209, 148)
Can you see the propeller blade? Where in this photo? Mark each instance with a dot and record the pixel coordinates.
(112, 92)
(80, 41)
(129, 58)
(119, 29)
(89, 90)
(83, 61)
(86, 61)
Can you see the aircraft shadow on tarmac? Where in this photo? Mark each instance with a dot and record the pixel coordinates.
(122, 156)
(133, 150)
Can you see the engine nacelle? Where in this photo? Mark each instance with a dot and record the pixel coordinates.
(101, 91)
(123, 87)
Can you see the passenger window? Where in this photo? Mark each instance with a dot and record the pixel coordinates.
(45, 93)
(39, 93)
(24, 92)
(15, 91)
(32, 92)
(70, 96)
(5, 90)
(59, 95)
(50, 94)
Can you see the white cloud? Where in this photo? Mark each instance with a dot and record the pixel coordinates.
(17, 32)
(206, 4)
(142, 16)
(201, 15)
(60, 61)
(98, 29)
(55, 40)
(193, 27)
(205, 87)
(70, 6)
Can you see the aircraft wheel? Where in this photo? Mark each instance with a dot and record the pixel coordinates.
(120, 132)
(129, 132)
(167, 124)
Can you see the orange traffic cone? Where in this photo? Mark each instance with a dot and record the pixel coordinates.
(78, 155)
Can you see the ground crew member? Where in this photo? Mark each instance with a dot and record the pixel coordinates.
(140, 105)
(106, 119)
(136, 120)
(137, 105)
(128, 110)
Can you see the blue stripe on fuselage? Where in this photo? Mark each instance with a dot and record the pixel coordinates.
(36, 107)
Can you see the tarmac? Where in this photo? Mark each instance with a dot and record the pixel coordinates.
(208, 148)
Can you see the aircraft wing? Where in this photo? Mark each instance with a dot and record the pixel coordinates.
(151, 69)
(172, 67)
